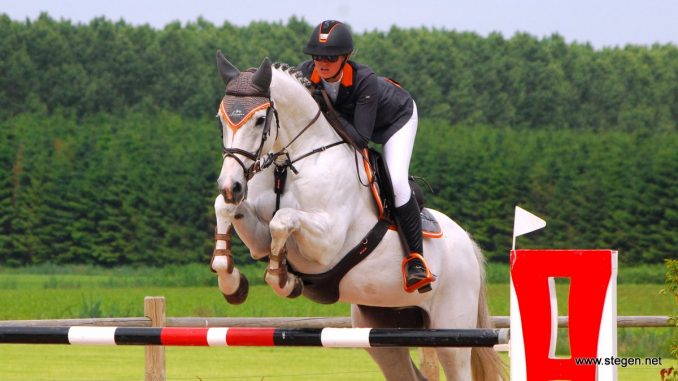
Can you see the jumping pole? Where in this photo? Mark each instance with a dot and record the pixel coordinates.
(260, 336)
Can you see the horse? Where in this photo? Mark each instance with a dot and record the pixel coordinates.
(270, 121)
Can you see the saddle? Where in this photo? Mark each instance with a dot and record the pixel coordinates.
(382, 191)
(324, 288)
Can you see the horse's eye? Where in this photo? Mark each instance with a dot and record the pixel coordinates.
(260, 121)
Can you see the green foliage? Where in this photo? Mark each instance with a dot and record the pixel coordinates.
(596, 189)
(672, 290)
(640, 274)
(114, 67)
(672, 278)
(139, 190)
(108, 154)
(109, 191)
(456, 77)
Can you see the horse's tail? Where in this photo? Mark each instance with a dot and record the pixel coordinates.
(485, 362)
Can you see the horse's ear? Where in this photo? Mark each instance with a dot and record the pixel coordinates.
(226, 69)
(262, 77)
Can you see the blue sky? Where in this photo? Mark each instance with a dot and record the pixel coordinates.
(600, 22)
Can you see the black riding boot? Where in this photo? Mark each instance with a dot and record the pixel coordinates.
(416, 275)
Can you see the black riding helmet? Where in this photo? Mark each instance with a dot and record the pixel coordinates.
(330, 38)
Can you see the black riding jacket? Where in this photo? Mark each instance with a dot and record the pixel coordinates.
(373, 108)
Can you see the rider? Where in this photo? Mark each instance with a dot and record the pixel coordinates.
(372, 108)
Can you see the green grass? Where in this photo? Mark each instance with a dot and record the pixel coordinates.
(50, 303)
(80, 363)
(50, 292)
(195, 274)
(181, 301)
(75, 363)
(80, 276)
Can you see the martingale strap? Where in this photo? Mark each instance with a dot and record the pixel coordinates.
(280, 172)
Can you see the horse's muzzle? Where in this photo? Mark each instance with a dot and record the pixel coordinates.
(233, 192)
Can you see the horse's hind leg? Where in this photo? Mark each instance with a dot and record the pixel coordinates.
(455, 362)
(395, 363)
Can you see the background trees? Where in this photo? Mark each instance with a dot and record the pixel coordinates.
(109, 151)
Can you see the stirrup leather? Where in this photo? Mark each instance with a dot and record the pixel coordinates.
(422, 285)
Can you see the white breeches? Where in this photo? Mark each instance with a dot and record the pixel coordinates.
(397, 153)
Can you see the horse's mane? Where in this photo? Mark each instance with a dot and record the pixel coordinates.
(293, 72)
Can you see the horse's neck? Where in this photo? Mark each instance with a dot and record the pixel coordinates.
(337, 166)
(296, 110)
(327, 182)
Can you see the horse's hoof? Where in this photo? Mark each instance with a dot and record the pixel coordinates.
(297, 290)
(241, 293)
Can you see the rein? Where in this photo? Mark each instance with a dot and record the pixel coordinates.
(280, 172)
(260, 163)
(334, 121)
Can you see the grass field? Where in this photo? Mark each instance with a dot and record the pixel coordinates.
(79, 363)
(86, 292)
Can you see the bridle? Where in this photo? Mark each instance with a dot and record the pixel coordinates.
(260, 163)
(254, 156)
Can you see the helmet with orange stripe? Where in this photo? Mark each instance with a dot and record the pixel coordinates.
(330, 38)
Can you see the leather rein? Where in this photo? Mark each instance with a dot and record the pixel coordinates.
(274, 158)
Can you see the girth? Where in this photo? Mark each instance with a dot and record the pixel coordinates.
(324, 288)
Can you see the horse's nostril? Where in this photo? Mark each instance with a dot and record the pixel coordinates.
(233, 192)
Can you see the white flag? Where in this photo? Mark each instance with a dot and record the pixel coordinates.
(525, 222)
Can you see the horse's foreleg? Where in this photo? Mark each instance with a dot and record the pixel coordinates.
(253, 232)
(287, 221)
(232, 283)
(284, 223)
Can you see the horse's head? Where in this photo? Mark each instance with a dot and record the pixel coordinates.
(245, 117)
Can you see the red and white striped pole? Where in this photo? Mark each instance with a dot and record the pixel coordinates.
(239, 336)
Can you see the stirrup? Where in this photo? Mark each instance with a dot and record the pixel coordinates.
(422, 285)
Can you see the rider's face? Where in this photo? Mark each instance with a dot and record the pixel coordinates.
(329, 70)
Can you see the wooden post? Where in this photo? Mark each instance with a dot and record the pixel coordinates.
(154, 309)
(428, 363)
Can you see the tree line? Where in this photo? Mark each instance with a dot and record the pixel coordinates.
(139, 189)
(109, 151)
(456, 77)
